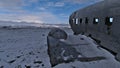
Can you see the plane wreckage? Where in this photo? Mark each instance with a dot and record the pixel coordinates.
(100, 21)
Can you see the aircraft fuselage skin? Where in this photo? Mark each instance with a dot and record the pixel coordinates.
(100, 21)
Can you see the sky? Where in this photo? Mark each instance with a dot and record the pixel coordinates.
(41, 11)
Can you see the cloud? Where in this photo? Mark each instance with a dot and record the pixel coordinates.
(64, 15)
(50, 4)
(43, 17)
(41, 8)
(19, 18)
(33, 1)
(59, 4)
(38, 11)
(30, 18)
(81, 1)
(16, 5)
(55, 4)
(11, 4)
(51, 18)
(17, 13)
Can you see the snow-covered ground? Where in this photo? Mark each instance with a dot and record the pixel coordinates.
(21, 48)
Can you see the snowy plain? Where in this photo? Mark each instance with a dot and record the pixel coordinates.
(27, 47)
